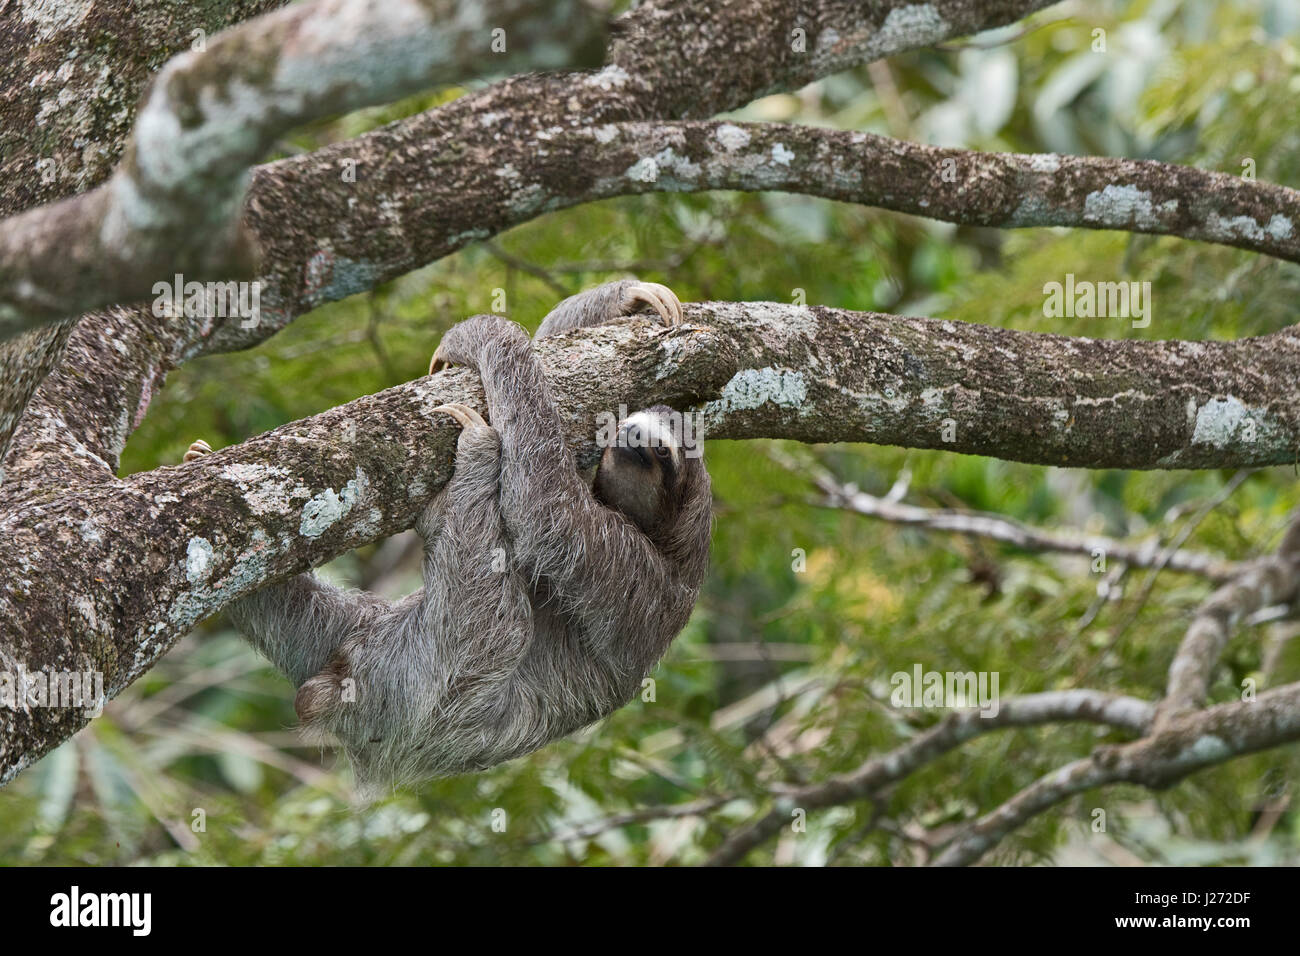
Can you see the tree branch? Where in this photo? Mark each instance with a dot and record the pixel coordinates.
(174, 203)
(72, 84)
(381, 229)
(1007, 530)
(1187, 744)
(1273, 580)
(214, 530)
(954, 730)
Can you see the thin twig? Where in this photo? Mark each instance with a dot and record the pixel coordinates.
(996, 527)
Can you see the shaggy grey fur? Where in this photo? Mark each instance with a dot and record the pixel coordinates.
(545, 602)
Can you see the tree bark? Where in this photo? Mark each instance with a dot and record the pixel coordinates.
(73, 74)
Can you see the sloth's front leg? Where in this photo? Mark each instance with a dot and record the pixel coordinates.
(474, 599)
(612, 302)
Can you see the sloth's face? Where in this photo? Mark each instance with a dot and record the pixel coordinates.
(642, 473)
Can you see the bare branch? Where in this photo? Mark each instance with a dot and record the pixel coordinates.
(954, 730)
(1188, 743)
(1273, 580)
(1007, 530)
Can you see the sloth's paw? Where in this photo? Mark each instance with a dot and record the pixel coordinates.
(437, 364)
(197, 450)
(467, 417)
(662, 299)
(467, 342)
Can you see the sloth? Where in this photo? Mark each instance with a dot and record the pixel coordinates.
(547, 598)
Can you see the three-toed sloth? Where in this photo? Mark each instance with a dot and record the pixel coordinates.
(546, 601)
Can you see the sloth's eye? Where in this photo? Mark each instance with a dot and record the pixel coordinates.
(662, 451)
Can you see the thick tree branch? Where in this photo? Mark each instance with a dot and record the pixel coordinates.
(569, 161)
(74, 72)
(161, 550)
(1004, 190)
(773, 45)
(174, 204)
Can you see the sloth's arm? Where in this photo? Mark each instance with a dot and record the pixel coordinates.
(475, 607)
(593, 561)
(610, 303)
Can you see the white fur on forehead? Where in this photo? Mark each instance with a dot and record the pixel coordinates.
(656, 430)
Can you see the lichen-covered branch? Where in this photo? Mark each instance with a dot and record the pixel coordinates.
(828, 375)
(309, 268)
(349, 246)
(1004, 190)
(175, 201)
(74, 72)
(161, 550)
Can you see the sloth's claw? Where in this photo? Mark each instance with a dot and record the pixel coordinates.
(463, 414)
(197, 450)
(438, 362)
(659, 297)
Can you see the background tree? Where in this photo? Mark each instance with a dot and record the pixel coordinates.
(1157, 591)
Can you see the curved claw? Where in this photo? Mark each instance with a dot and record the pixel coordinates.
(437, 364)
(659, 297)
(463, 414)
(197, 450)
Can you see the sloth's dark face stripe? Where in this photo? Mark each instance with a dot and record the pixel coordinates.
(655, 431)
